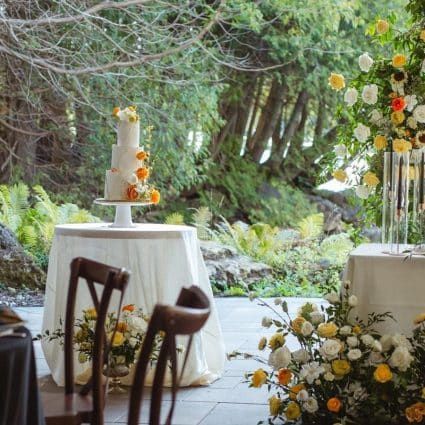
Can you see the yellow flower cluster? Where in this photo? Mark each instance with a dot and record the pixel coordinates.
(336, 81)
(327, 330)
(370, 179)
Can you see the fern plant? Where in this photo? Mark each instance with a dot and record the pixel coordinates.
(311, 227)
(174, 218)
(201, 219)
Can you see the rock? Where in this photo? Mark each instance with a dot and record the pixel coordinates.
(226, 267)
(16, 267)
(333, 214)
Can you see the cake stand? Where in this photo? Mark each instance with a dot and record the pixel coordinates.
(122, 211)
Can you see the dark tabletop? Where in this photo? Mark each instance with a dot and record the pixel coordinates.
(19, 396)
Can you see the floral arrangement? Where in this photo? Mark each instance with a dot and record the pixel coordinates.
(125, 342)
(384, 107)
(138, 188)
(344, 372)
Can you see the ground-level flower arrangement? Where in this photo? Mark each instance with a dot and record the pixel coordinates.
(343, 372)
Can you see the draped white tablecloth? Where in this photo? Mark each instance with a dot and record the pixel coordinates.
(387, 283)
(161, 258)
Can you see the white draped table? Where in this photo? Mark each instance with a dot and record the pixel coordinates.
(161, 258)
(384, 282)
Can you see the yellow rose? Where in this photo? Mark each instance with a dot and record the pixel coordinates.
(382, 26)
(295, 390)
(336, 81)
(90, 314)
(276, 341)
(401, 146)
(293, 411)
(397, 117)
(327, 330)
(341, 367)
(380, 142)
(274, 405)
(399, 60)
(340, 175)
(262, 343)
(422, 35)
(419, 318)
(297, 324)
(118, 339)
(382, 373)
(370, 179)
(357, 329)
(258, 378)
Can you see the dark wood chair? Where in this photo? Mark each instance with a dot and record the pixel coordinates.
(76, 408)
(185, 318)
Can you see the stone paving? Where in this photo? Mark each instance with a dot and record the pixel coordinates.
(228, 401)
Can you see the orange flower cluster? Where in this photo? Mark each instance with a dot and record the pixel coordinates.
(128, 307)
(415, 412)
(132, 193)
(142, 173)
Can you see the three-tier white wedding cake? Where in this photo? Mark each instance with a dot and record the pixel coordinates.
(126, 180)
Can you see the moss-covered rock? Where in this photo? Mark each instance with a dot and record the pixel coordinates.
(17, 268)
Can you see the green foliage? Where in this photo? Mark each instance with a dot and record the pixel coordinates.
(33, 217)
(312, 226)
(335, 248)
(174, 218)
(202, 219)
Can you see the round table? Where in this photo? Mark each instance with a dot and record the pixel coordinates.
(161, 258)
(19, 397)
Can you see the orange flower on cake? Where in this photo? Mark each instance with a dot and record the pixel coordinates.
(132, 193)
(142, 173)
(142, 155)
(415, 412)
(128, 307)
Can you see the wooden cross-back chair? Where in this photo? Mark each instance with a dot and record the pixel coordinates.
(185, 318)
(77, 408)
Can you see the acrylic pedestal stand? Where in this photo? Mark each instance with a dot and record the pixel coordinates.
(122, 211)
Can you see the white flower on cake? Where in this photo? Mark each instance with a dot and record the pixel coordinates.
(128, 114)
(354, 354)
(419, 114)
(370, 94)
(350, 96)
(365, 62)
(361, 132)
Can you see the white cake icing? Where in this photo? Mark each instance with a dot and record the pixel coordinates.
(115, 187)
(125, 158)
(128, 134)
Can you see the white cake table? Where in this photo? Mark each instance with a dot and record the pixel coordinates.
(161, 258)
(387, 283)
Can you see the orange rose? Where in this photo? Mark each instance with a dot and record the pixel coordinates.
(128, 307)
(142, 173)
(142, 155)
(132, 193)
(155, 197)
(415, 412)
(284, 376)
(333, 405)
(115, 111)
(398, 104)
(122, 326)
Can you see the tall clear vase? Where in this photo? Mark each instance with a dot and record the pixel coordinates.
(395, 202)
(418, 195)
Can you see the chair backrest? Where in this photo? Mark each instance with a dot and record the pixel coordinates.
(185, 318)
(110, 278)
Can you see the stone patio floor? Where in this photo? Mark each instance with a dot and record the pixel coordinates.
(228, 401)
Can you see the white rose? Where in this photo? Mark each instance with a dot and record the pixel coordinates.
(367, 340)
(352, 341)
(138, 324)
(301, 356)
(329, 376)
(361, 133)
(376, 346)
(133, 341)
(345, 330)
(350, 96)
(280, 357)
(411, 101)
(317, 317)
(365, 62)
(401, 358)
(340, 151)
(330, 349)
(376, 117)
(311, 405)
(386, 342)
(307, 328)
(311, 371)
(419, 114)
(400, 340)
(352, 301)
(332, 297)
(354, 354)
(266, 322)
(363, 191)
(412, 123)
(370, 94)
(302, 395)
